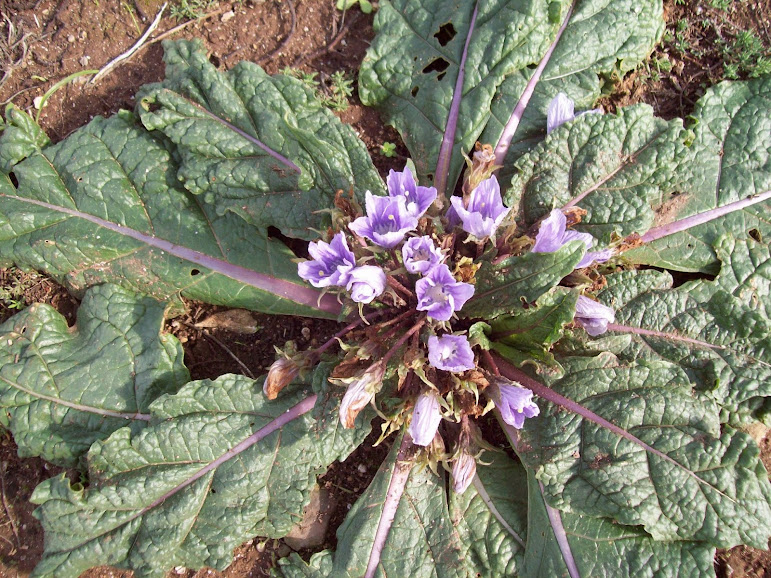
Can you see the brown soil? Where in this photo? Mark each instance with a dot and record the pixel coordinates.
(44, 41)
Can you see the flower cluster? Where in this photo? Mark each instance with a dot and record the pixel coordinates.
(416, 271)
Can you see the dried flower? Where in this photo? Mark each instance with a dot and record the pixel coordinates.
(464, 468)
(425, 418)
(515, 403)
(417, 198)
(420, 255)
(450, 353)
(280, 374)
(331, 264)
(480, 167)
(554, 234)
(359, 393)
(485, 209)
(365, 283)
(592, 316)
(387, 220)
(440, 294)
(561, 110)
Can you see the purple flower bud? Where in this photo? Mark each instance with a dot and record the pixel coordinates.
(360, 393)
(331, 264)
(592, 316)
(561, 110)
(554, 234)
(420, 255)
(450, 353)
(365, 283)
(425, 419)
(440, 294)
(280, 374)
(485, 209)
(515, 403)
(463, 471)
(387, 221)
(417, 198)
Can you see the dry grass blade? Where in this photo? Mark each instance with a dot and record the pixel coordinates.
(14, 47)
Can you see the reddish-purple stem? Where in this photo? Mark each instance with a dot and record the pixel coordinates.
(504, 142)
(399, 477)
(280, 287)
(661, 335)
(513, 373)
(445, 151)
(701, 218)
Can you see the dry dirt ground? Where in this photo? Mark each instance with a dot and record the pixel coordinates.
(45, 41)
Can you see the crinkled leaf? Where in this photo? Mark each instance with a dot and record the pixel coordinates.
(412, 66)
(428, 537)
(21, 137)
(719, 494)
(601, 547)
(613, 38)
(619, 166)
(729, 160)
(257, 145)
(722, 343)
(103, 206)
(195, 485)
(507, 286)
(61, 389)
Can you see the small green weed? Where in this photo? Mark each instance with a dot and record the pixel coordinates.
(13, 284)
(388, 149)
(746, 55)
(192, 9)
(365, 5)
(332, 91)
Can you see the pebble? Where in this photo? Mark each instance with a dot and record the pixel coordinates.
(227, 16)
(84, 60)
(70, 38)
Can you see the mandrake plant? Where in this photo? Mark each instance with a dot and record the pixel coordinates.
(518, 275)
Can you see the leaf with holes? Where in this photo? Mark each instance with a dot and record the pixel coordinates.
(61, 389)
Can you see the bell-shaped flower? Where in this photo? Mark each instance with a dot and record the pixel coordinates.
(440, 294)
(420, 255)
(592, 316)
(464, 468)
(387, 220)
(365, 283)
(485, 209)
(515, 403)
(554, 234)
(417, 198)
(561, 109)
(425, 418)
(331, 264)
(359, 393)
(280, 374)
(450, 353)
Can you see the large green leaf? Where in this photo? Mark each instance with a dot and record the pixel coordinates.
(61, 389)
(613, 38)
(220, 465)
(260, 146)
(505, 287)
(722, 343)
(715, 490)
(412, 66)
(476, 534)
(600, 547)
(21, 137)
(619, 166)
(104, 206)
(729, 160)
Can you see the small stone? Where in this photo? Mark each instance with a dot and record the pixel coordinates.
(306, 332)
(82, 35)
(37, 102)
(227, 16)
(362, 468)
(70, 38)
(84, 60)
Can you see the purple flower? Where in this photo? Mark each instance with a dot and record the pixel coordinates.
(420, 255)
(561, 110)
(425, 419)
(485, 209)
(463, 471)
(554, 234)
(331, 264)
(450, 353)
(417, 199)
(365, 283)
(515, 404)
(592, 316)
(440, 294)
(387, 220)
